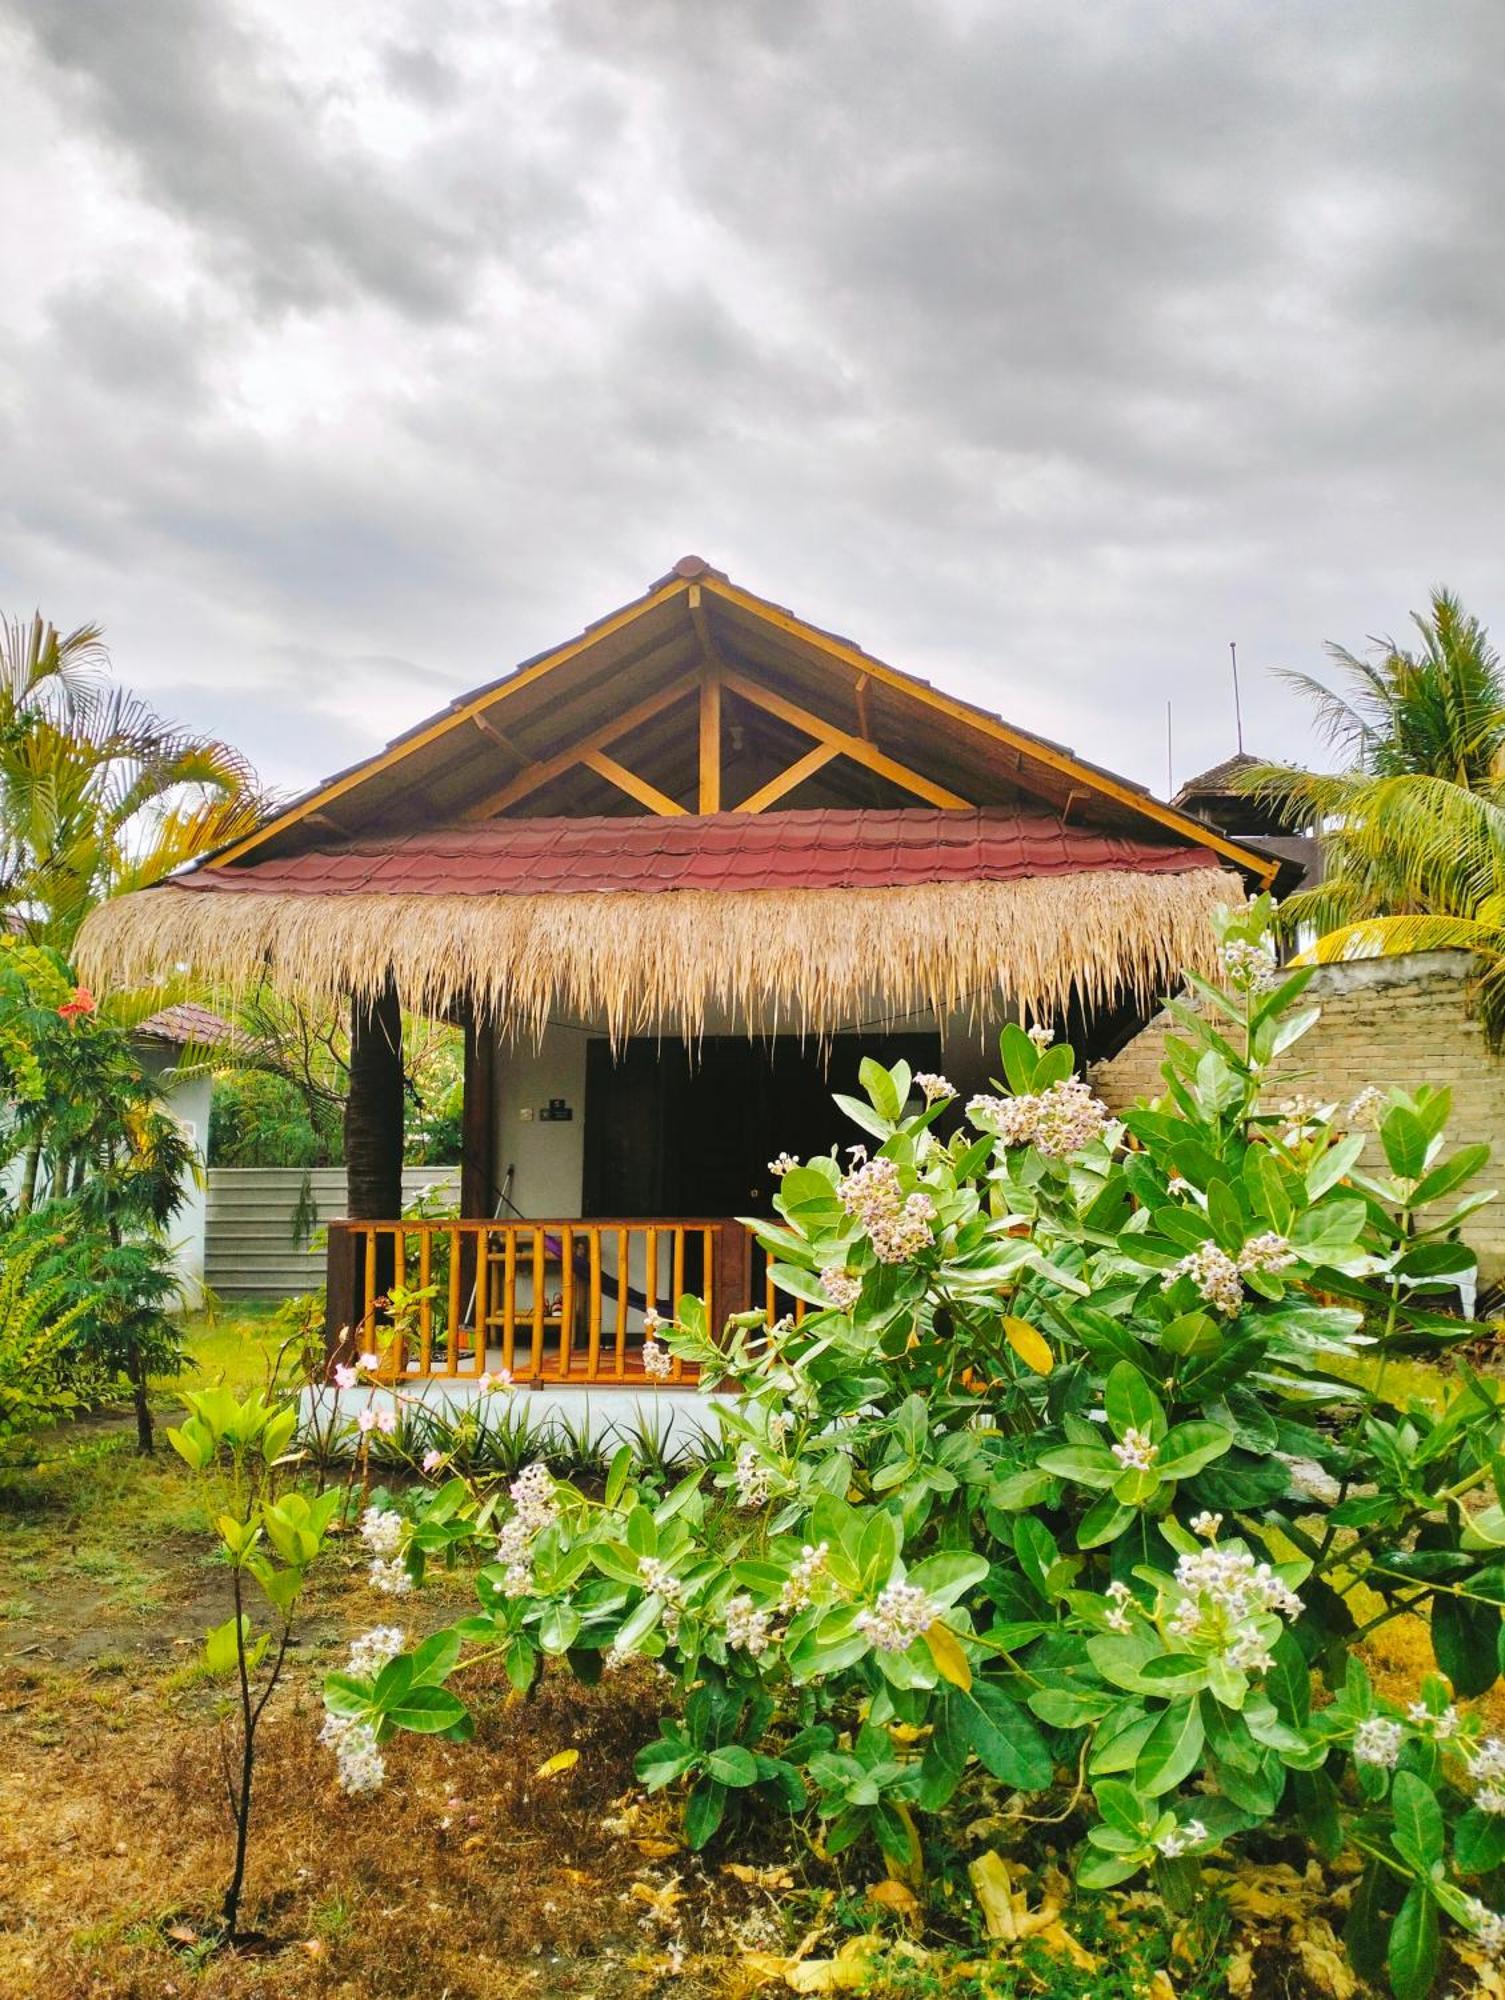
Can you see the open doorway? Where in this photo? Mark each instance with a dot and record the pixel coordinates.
(673, 1132)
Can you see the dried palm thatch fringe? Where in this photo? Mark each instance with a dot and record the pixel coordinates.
(803, 960)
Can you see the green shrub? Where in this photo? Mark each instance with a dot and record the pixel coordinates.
(1065, 1485)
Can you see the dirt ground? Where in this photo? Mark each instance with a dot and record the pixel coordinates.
(468, 1876)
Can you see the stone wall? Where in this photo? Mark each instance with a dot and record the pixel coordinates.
(1385, 1021)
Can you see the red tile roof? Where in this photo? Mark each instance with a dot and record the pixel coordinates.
(188, 1025)
(826, 849)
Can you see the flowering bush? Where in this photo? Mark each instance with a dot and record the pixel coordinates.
(1084, 1474)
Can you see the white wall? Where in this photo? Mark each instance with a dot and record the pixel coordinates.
(549, 1158)
(187, 1099)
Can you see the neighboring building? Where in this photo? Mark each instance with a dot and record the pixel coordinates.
(186, 1087)
(1218, 798)
(674, 877)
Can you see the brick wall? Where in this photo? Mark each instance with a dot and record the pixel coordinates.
(1385, 1021)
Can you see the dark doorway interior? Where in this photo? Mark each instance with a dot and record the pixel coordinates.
(671, 1132)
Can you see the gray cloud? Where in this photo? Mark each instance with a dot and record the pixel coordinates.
(1042, 349)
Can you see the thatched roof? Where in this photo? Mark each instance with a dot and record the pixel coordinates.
(812, 960)
(701, 812)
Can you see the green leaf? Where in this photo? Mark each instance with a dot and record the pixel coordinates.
(436, 1658)
(1004, 1737)
(1364, 1932)
(1131, 1403)
(1479, 1842)
(949, 1575)
(1186, 1448)
(1171, 1751)
(1417, 1831)
(882, 1088)
(1405, 1141)
(1442, 1180)
(426, 1711)
(704, 1809)
(1466, 1640)
(1413, 1950)
(733, 1765)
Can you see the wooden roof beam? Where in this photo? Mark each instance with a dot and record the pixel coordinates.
(792, 775)
(630, 783)
(546, 769)
(849, 746)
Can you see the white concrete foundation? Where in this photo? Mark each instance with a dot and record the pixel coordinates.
(608, 1413)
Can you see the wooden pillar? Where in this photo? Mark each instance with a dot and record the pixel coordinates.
(373, 1110)
(373, 1161)
(479, 1191)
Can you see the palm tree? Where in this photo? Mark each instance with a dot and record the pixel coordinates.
(98, 794)
(1413, 829)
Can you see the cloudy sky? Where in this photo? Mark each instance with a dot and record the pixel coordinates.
(351, 351)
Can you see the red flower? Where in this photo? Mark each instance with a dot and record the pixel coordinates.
(83, 1002)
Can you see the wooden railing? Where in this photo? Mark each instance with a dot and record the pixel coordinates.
(562, 1302)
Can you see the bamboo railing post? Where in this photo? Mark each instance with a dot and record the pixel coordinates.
(426, 1306)
(593, 1309)
(624, 1286)
(509, 1299)
(677, 1292)
(566, 1300)
(538, 1302)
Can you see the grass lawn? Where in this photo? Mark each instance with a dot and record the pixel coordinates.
(471, 1875)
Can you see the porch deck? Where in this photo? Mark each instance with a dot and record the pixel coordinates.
(565, 1303)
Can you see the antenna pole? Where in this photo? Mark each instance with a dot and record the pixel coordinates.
(1238, 713)
(1170, 775)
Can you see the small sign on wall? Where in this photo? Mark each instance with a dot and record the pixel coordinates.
(556, 1112)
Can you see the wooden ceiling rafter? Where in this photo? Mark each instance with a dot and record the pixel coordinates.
(842, 741)
(547, 768)
(630, 783)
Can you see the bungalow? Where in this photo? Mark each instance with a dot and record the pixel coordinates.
(674, 878)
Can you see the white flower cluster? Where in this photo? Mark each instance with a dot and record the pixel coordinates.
(1248, 967)
(781, 1164)
(746, 1626)
(1489, 1927)
(1041, 1035)
(1442, 1725)
(1367, 1108)
(534, 1509)
(933, 1087)
(1219, 1278)
(1487, 1769)
(1119, 1598)
(657, 1578)
(1181, 1839)
(1227, 1598)
(359, 1764)
(1056, 1122)
(1267, 1252)
(900, 1615)
(799, 1585)
(1378, 1741)
(371, 1652)
(1305, 1117)
(754, 1479)
(841, 1286)
(1136, 1451)
(1215, 1275)
(898, 1225)
(383, 1420)
(658, 1362)
(382, 1532)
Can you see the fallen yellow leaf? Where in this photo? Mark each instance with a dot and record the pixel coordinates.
(1030, 1346)
(657, 1850)
(758, 1878)
(946, 1651)
(562, 1760)
(898, 1897)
